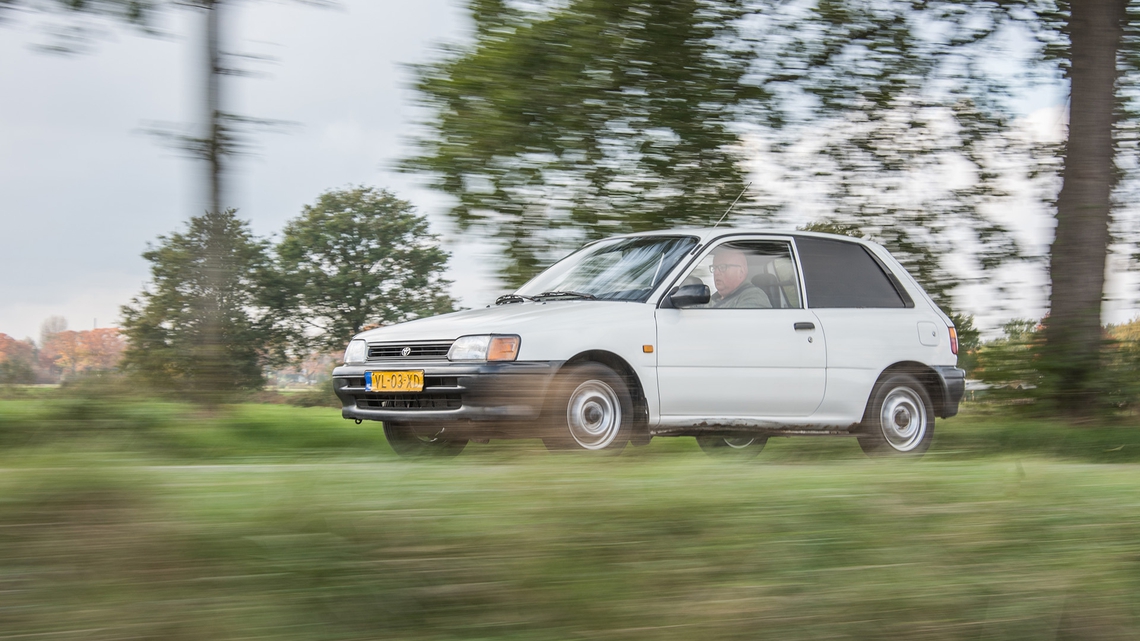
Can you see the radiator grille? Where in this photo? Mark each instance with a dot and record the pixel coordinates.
(410, 402)
(409, 351)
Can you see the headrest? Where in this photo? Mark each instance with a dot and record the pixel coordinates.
(765, 280)
(785, 270)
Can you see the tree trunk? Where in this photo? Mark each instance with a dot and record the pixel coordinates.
(1080, 246)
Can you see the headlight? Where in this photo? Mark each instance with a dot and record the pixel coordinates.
(356, 353)
(484, 347)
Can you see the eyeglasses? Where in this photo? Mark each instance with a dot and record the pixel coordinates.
(722, 268)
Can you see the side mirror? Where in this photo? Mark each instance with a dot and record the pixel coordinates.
(688, 296)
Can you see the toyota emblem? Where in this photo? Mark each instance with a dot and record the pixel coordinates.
(407, 351)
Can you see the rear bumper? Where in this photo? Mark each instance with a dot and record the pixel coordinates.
(953, 381)
(499, 392)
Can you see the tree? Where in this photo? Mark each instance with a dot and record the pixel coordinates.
(93, 350)
(76, 22)
(203, 325)
(358, 257)
(895, 120)
(222, 136)
(572, 121)
(16, 358)
(1073, 336)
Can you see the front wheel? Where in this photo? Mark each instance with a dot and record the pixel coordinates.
(412, 441)
(590, 410)
(740, 448)
(900, 419)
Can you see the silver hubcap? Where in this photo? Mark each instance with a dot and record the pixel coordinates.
(903, 418)
(429, 435)
(739, 442)
(594, 415)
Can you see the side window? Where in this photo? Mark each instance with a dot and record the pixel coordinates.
(842, 274)
(753, 274)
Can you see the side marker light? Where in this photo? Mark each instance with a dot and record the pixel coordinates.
(648, 349)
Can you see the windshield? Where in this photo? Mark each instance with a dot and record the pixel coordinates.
(616, 269)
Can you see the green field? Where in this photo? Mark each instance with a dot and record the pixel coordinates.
(158, 520)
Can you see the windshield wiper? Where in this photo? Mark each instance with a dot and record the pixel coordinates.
(511, 298)
(567, 294)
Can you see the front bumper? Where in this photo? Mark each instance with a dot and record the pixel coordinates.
(500, 392)
(953, 381)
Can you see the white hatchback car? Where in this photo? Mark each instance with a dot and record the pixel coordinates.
(729, 335)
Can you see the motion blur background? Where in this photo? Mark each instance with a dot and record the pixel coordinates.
(172, 460)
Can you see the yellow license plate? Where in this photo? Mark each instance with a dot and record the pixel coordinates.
(406, 381)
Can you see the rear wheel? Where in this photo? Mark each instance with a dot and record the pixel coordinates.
(415, 441)
(900, 419)
(732, 447)
(590, 410)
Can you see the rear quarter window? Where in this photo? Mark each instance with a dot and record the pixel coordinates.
(842, 274)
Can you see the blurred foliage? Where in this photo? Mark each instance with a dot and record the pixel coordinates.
(72, 25)
(108, 414)
(1018, 367)
(647, 549)
(357, 257)
(16, 361)
(898, 112)
(68, 352)
(1011, 364)
(320, 395)
(569, 121)
(16, 372)
(204, 325)
(969, 340)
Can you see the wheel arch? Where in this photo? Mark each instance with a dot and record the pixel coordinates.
(632, 381)
(930, 379)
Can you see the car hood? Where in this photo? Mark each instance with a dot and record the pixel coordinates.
(514, 318)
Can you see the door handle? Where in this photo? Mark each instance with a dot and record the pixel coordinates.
(805, 326)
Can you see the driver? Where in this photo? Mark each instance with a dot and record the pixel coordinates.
(733, 289)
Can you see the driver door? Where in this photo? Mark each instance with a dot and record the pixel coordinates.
(748, 362)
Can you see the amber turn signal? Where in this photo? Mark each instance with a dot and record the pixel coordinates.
(648, 349)
(954, 341)
(503, 348)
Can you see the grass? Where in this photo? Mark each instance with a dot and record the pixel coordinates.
(154, 520)
(56, 419)
(567, 548)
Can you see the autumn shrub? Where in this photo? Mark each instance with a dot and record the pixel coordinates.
(16, 372)
(16, 358)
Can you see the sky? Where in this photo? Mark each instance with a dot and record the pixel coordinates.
(84, 190)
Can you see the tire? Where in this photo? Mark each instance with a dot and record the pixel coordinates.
(900, 419)
(740, 448)
(590, 410)
(409, 441)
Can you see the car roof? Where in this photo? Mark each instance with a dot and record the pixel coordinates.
(706, 234)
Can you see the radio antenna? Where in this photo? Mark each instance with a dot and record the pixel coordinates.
(733, 203)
